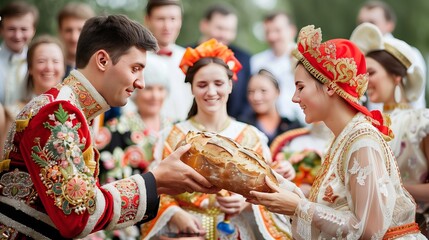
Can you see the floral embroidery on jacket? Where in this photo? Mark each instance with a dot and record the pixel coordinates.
(63, 171)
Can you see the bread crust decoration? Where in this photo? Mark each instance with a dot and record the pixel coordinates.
(226, 164)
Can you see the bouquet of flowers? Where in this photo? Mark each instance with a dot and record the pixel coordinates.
(306, 164)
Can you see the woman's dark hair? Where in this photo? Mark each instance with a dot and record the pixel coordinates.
(270, 76)
(388, 62)
(190, 74)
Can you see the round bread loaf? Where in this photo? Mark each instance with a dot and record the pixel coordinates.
(226, 164)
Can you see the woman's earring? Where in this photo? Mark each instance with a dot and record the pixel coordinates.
(397, 94)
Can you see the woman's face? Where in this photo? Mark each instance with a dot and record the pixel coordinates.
(310, 96)
(149, 100)
(262, 94)
(381, 84)
(47, 67)
(211, 88)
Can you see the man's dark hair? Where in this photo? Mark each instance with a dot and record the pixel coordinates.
(273, 15)
(18, 9)
(218, 8)
(115, 34)
(389, 14)
(151, 4)
(77, 10)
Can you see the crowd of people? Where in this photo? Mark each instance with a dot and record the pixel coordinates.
(90, 121)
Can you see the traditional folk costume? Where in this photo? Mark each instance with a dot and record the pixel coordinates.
(49, 175)
(204, 205)
(358, 191)
(409, 125)
(265, 224)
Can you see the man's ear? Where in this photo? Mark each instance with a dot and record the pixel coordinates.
(102, 59)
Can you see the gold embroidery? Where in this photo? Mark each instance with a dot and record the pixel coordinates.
(344, 70)
(88, 157)
(4, 165)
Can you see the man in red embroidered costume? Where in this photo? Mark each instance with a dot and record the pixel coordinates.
(48, 179)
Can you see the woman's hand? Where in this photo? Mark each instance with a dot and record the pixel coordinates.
(285, 169)
(280, 201)
(233, 204)
(186, 223)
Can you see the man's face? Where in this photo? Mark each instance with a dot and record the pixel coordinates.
(221, 27)
(122, 78)
(165, 23)
(69, 32)
(376, 17)
(279, 33)
(17, 32)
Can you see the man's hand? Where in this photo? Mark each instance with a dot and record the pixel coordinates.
(174, 177)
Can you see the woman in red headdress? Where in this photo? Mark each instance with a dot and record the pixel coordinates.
(357, 193)
(210, 68)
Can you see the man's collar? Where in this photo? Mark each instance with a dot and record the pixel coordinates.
(90, 100)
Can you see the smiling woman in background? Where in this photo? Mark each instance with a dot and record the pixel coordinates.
(262, 92)
(45, 60)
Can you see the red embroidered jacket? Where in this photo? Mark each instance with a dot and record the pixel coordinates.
(48, 179)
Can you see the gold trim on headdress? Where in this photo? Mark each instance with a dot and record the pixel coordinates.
(398, 55)
(344, 70)
(210, 48)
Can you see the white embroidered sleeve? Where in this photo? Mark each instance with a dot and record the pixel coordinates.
(370, 197)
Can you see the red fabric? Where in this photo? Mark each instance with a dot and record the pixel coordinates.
(342, 63)
(165, 52)
(73, 224)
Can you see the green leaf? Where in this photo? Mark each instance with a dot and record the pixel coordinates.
(36, 149)
(61, 115)
(39, 161)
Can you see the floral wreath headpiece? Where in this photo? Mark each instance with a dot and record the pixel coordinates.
(339, 64)
(210, 48)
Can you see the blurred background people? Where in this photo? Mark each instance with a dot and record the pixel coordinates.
(220, 22)
(17, 28)
(164, 20)
(197, 213)
(71, 19)
(262, 93)
(395, 80)
(280, 32)
(383, 16)
(45, 60)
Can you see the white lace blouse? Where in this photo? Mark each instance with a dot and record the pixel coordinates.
(358, 193)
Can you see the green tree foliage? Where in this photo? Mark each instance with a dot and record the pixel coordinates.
(337, 18)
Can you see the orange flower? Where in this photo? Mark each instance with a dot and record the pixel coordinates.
(210, 48)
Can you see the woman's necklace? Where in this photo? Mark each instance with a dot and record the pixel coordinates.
(201, 127)
(391, 107)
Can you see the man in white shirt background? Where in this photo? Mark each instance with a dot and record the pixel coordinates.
(280, 32)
